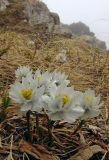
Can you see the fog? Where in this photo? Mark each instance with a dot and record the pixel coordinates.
(94, 13)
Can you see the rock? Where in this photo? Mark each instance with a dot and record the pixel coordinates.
(38, 13)
(101, 44)
(55, 17)
(80, 28)
(63, 30)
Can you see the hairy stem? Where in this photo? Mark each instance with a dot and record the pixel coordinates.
(50, 132)
(37, 123)
(49, 126)
(28, 125)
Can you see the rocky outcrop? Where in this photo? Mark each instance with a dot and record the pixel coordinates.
(81, 30)
(27, 13)
(94, 42)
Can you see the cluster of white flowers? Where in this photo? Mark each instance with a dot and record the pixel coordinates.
(50, 92)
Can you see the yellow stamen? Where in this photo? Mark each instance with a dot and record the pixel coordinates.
(65, 100)
(88, 100)
(38, 78)
(26, 93)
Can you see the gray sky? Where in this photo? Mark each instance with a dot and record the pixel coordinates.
(94, 13)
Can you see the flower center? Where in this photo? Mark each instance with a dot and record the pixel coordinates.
(65, 100)
(26, 93)
(23, 75)
(88, 100)
(38, 78)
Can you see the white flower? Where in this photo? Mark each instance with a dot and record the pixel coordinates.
(61, 57)
(44, 79)
(60, 78)
(27, 94)
(31, 43)
(90, 103)
(23, 72)
(63, 105)
(45, 100)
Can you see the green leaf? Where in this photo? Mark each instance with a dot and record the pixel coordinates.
(107, 121)
(5, 101)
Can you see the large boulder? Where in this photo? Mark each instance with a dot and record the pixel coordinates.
(80, 28)
(38, 13)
